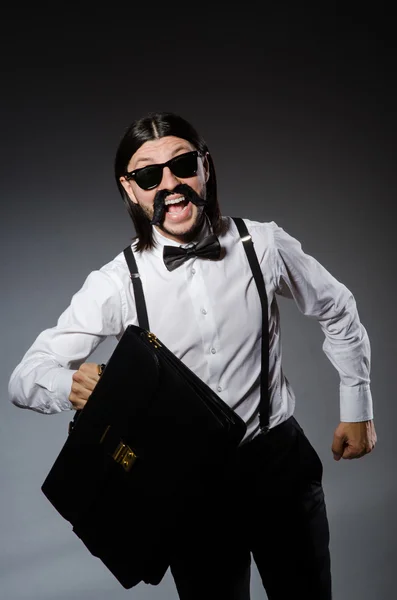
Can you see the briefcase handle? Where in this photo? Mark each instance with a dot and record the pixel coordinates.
(72, 423)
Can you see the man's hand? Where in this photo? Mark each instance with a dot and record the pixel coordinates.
(353, 440)
(84, 381)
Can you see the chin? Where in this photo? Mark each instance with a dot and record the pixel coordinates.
(185, 231)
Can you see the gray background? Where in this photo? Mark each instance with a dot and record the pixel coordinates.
(299, 112)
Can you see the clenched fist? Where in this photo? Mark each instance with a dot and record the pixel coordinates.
(84, 382)
(354, 440)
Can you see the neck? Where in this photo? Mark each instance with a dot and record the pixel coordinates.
(193, 234)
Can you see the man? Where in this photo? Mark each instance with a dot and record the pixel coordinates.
(208, 313)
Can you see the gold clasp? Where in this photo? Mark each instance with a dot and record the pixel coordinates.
(153, 340)
(124, 456)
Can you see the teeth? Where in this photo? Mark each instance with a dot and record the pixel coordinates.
(167, 202)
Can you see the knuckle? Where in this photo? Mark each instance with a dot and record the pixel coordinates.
(78, 376)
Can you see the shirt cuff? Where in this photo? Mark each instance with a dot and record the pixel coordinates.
(355, 404)
(58, 383)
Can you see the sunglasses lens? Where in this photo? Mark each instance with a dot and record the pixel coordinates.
(182, 166)
(149, 177)
(185, 165)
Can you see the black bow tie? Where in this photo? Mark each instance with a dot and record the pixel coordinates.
(174, 256)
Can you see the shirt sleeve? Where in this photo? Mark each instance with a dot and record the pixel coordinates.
(319, 295)
(42, 380)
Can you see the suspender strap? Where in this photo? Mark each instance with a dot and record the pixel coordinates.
(143, 320)
(138, 289)
(264, 406)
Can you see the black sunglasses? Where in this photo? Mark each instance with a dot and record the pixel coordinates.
(183, 165)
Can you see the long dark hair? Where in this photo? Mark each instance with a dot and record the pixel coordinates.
(154, 126)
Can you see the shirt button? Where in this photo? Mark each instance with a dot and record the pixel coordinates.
(193, 271)
(203, 311)
(219, 388)
(213, 350)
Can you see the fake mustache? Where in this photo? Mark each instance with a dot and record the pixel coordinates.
(159, 207)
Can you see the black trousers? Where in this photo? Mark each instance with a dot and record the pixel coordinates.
(269, 506)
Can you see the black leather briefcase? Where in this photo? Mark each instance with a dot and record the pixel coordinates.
(151, 436)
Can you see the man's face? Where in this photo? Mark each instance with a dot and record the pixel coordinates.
(180, 219)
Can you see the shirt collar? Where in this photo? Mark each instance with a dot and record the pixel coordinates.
(160, 240)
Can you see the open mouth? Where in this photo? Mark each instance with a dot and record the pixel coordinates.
(176, 205)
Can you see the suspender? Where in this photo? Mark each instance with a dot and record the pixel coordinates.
(138, 289)
(264, 405)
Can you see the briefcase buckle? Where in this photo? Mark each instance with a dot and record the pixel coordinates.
(124, 456)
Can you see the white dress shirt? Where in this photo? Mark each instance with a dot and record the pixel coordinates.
(209, 314)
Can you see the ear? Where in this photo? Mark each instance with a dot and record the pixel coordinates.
(206, 166)
(128, 188)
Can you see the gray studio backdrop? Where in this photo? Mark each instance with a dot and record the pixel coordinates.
(302, 136)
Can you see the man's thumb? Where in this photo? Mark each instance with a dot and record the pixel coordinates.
(337, 447)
